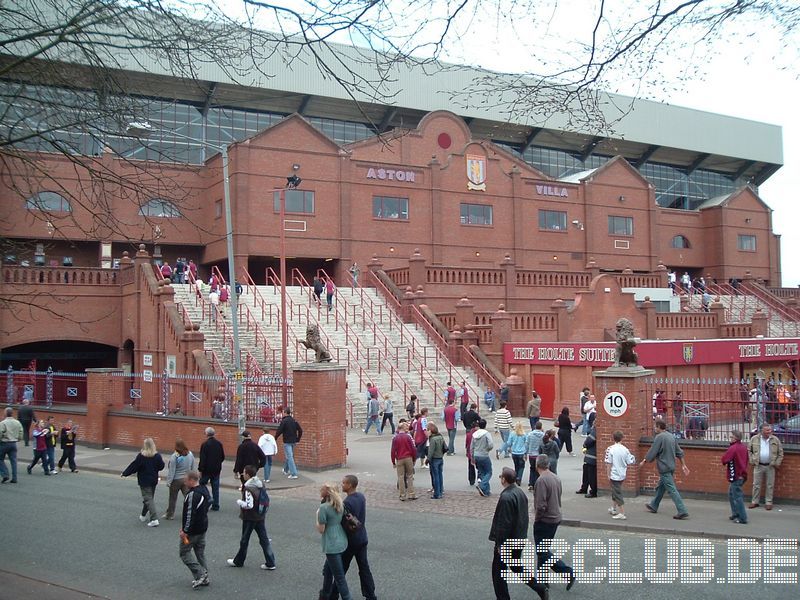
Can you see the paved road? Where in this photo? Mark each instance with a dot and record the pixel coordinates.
(74, 536)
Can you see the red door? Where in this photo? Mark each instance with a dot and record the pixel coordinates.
(545, 386)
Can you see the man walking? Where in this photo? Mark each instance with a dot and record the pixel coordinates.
(291, 432)
(253, 520)
(194, 525)
(502, 424)
(67, 436)
(618, 458)
(212, 455)
(10, 435)
(50, 440)
(404, 454)
(481, 445)
(534, 409)
(589, 479)
(450, 417)
(664, 451)
(269, 447)
(547, 517)
(471, 417)
(373, 415)
(510, 522)
(356, 504)
(581, 401)
(26, 416)
(248, 453)
(766, 455)
(735, 461)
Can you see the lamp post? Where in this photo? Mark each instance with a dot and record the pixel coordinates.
(143, 130)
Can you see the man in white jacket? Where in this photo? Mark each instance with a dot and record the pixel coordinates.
(269, 447)
(481, 445)
(618, 458)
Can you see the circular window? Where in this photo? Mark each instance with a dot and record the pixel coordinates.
(444, 141)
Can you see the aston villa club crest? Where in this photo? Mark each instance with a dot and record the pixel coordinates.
(688, 353)
(476, 172)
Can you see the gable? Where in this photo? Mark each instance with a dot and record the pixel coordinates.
(619, 172)
(746, 199)
(294, 133)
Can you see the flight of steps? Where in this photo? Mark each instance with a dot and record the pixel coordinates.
(741, 308)
(360, 310)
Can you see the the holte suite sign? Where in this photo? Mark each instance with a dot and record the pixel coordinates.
(656, 353)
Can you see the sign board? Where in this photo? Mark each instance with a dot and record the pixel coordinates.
(172, 365)
(136, 393)
(147, 360)
(195, 396)
(615, 404)
(72, 392)
(238, 375)
(147, 375)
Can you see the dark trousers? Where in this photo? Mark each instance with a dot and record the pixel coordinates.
(500, 584)
(387, 417)
(214, 479)
(471, 472)
(533, 421)
(261, 531)
(26, 432)
(67, 454)
(534, 474)
(451, 441)
(196, 563)
(364, 572)
(589, 478)
(37, 456)
(565, 439)
(547, 531)
(333, 574)
(519, 466)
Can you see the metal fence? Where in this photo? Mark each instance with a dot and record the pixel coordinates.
(709, 409)
(149, 392)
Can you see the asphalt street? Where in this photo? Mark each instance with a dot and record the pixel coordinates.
(78, 536)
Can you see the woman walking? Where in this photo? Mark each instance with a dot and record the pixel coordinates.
(40, 432)
(388, 413)
(334, 542)
(146, 465)
(565, 430)
(518, 444)
(551, 448)
(179, 464)
(436, 449)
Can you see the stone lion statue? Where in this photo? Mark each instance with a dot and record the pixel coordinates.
(313, 342)
(625, 355)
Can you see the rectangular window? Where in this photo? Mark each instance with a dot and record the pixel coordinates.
(747, 243)
(387, 207)
(297, 201)
(620, 225)
(476, 214)
(552, 220)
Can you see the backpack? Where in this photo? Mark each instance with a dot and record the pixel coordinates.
(263, 502)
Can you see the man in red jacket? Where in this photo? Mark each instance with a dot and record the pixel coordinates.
(404, 453)
(451, 416)
(735, 461)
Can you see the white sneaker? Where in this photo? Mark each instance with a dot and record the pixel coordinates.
(153, 523)
(266, 568)
(54, 471)
(612, 511)
(266, 481)
(620, 516)
(293, 477)
(230, 562)
(143, 518)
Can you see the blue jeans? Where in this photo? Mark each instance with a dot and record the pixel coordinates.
(533, 421)
(268, 466)
(373, 420)
(437, 476)
(736, 498)
(484, 466)
(261, 531)
(289, 467)
(504, 434)
(51, 457)
(451, 436)
(585, 425)
(8, 449)
(333, 571)
(214, 479)
(666, 484)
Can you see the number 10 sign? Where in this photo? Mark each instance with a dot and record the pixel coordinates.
(615, 404)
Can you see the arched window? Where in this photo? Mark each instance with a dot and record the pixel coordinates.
(158, 207)
(48, 202)
(680, 241)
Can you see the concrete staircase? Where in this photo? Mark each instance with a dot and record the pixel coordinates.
(741, 308)
(362, 332)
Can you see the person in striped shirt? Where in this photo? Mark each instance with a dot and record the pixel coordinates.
(503, 424)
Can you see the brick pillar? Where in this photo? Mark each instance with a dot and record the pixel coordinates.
(516, 394)
(465, 313)
(511, 280)
(636, 422)
(417, 271)
(320, 407)
(649, 310)
(501, 328)
(760, 324)
(103, 392)
(559, 307)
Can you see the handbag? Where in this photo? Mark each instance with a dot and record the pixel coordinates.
(350, 522)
